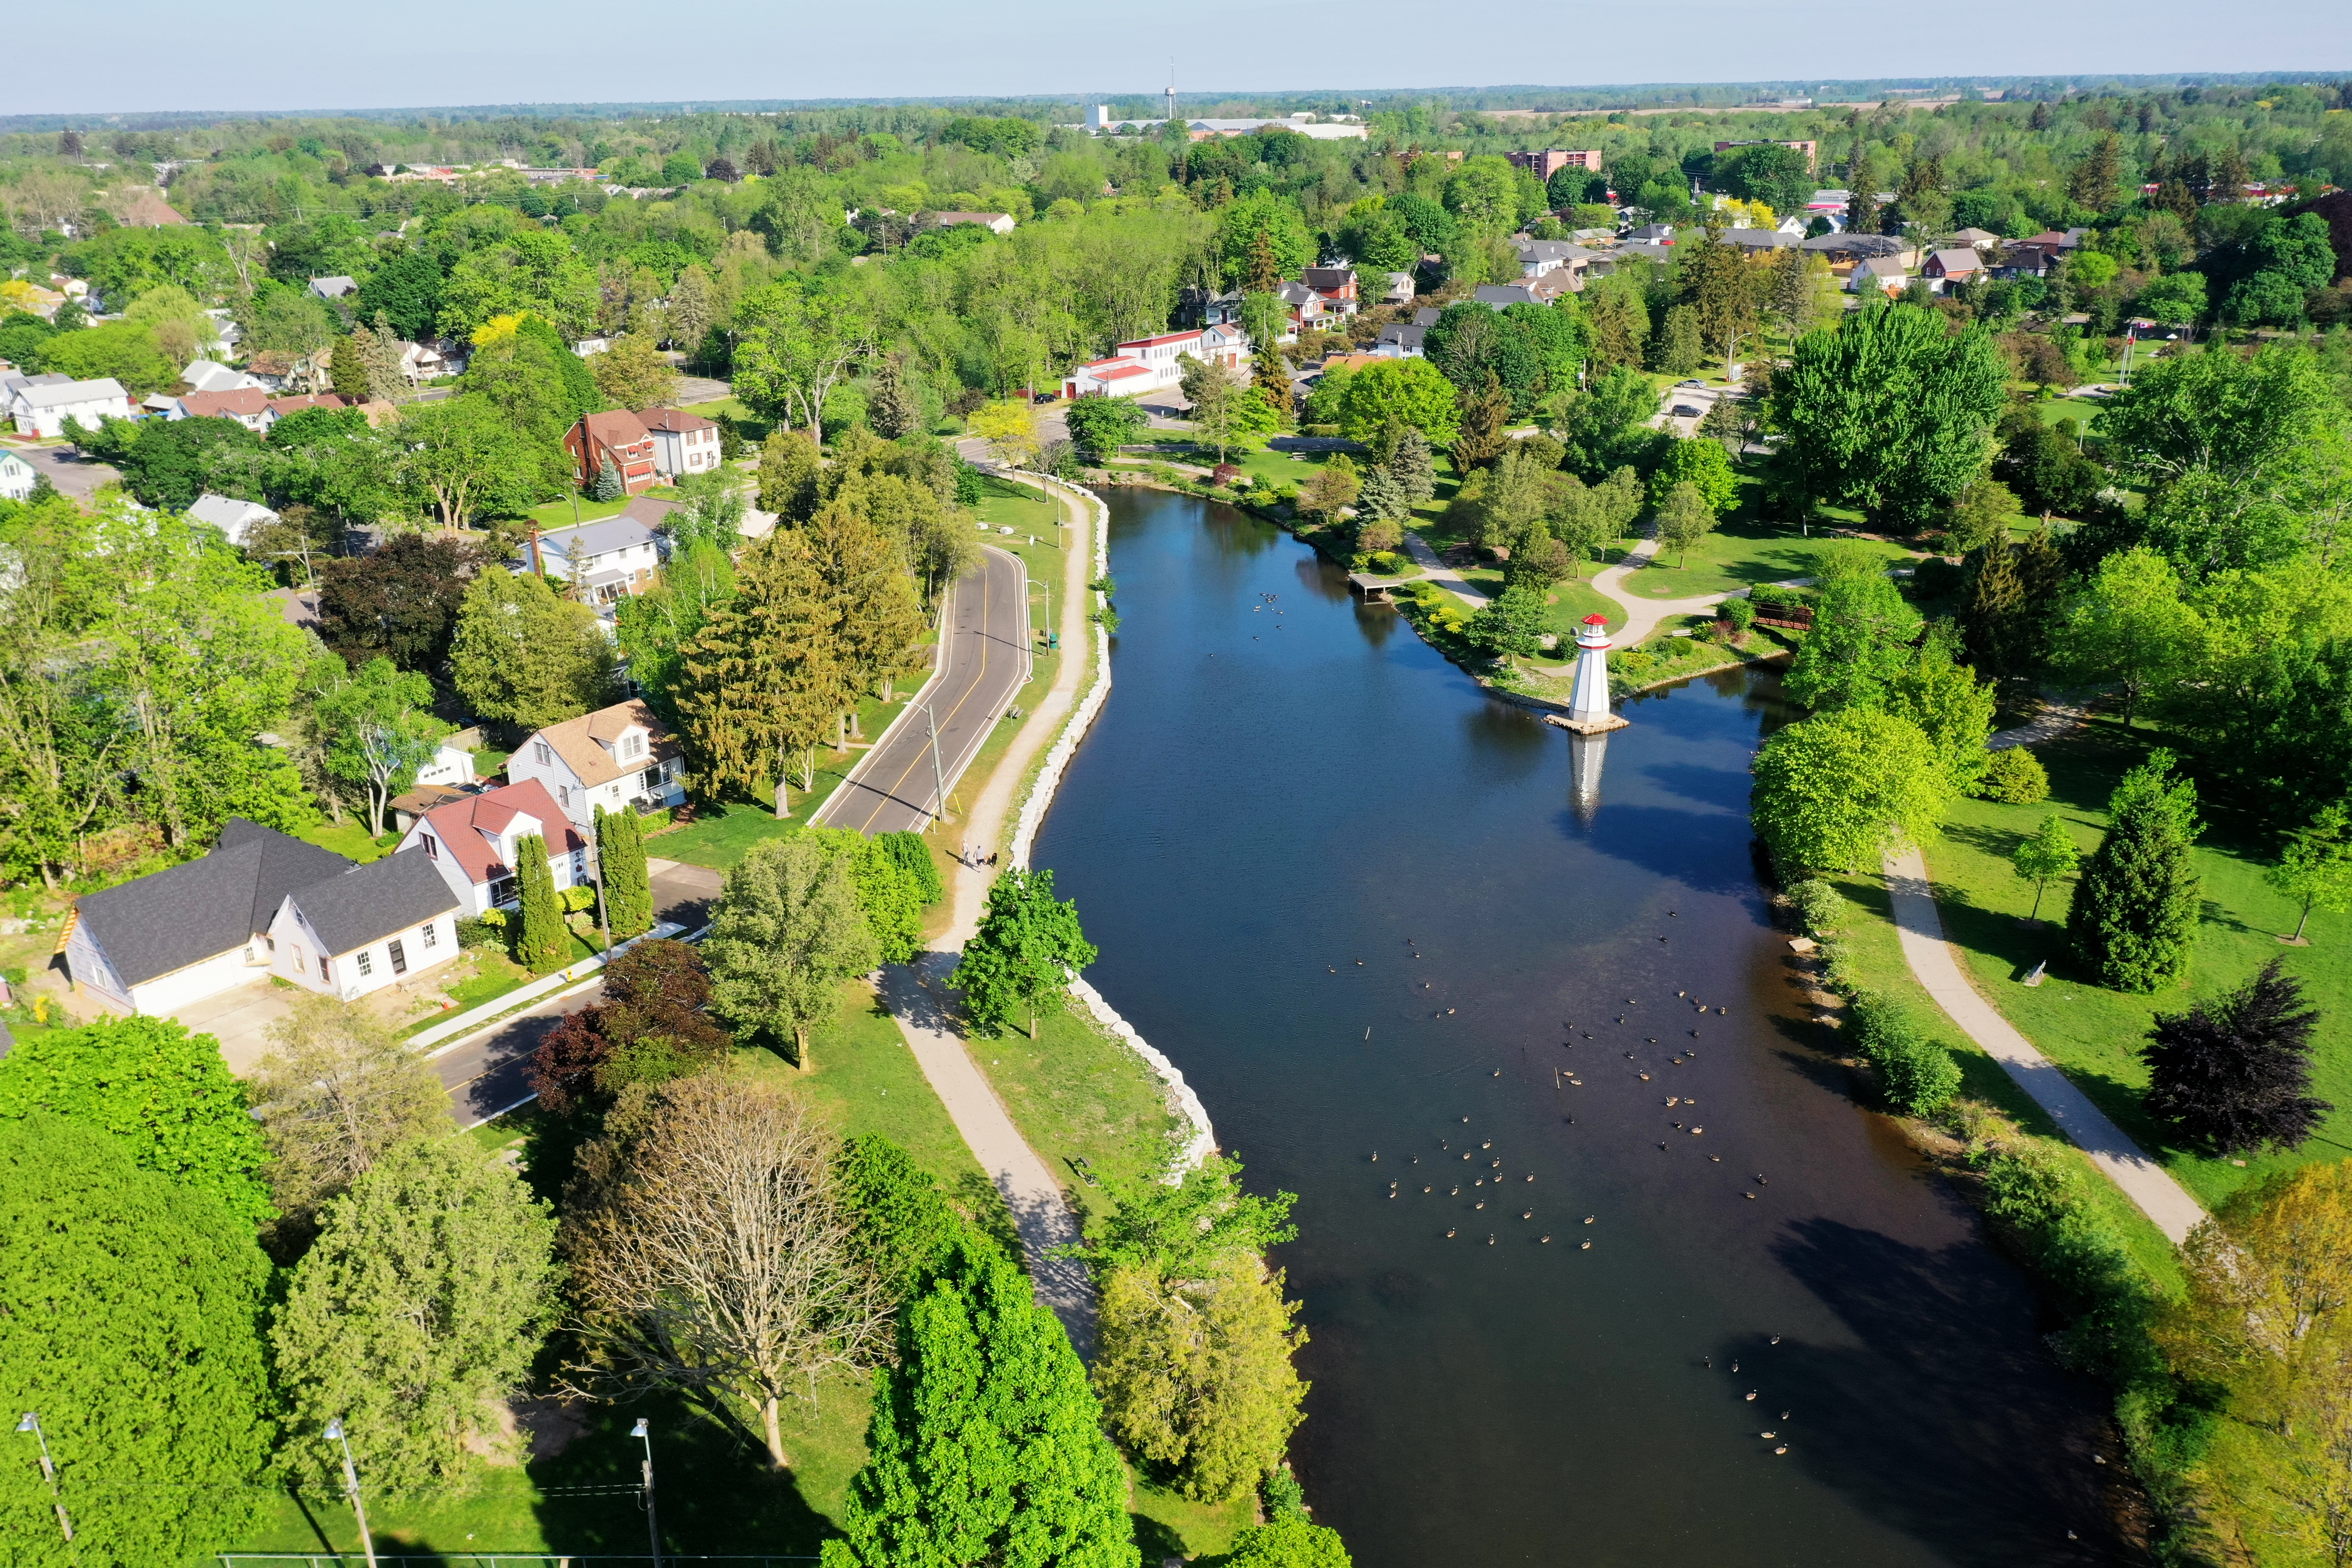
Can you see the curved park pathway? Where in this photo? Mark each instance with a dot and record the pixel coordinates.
(1920, 928)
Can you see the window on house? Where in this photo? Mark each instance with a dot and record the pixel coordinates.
(432, 934)
(399, 955)
(298, 955)
(367, 963)
(322, 969)
(432, 849)
(563, 795)
(579, 867)
(503, 891)
(635, 746)
(540, 754)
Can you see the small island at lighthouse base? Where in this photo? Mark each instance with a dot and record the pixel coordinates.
(1588, 711)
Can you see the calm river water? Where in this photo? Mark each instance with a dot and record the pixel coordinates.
(1293, 824)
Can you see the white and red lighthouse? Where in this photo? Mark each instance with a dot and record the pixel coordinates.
(1589, 705)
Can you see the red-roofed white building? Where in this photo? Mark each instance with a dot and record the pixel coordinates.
(471, 842)
(248, 405)
(1153, 364)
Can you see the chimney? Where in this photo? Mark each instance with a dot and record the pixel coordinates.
(535, 570)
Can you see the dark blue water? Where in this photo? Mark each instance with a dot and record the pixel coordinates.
(1257, 810)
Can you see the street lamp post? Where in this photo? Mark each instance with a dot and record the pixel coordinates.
(653, 1528)
(32, 1423)
(938, 775)
(351, 1488)
(1049, 609)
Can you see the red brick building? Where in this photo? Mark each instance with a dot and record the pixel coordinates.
(619, 436)
(1543, 166)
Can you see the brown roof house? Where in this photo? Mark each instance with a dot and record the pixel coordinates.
(248, 405)
(619, 437)
(616, 757)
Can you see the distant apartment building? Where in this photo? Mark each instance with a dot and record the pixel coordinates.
(1543, 166)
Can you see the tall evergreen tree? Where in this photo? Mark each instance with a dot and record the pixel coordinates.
(763, 681)
(542, 943)
(2232, 1073)
(892, 407)
(2133, 922)
(1414, 466)
(621, 855)
(1485, 414)
(877, 618)
(347, 369)
(608, 480)
(987, 1443)
(914, 858)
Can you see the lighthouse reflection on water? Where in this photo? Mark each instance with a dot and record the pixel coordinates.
(1589, 718)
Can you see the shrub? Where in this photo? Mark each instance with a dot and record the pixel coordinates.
(1768, 597)
(2014, 776)
(1740, 613)
(578, 898)
(482, 930)
(1917, 1073)
(1818, 905)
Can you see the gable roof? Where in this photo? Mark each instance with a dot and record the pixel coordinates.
(592, 538)
(282, 406)
(185, 914)
(61, 392)
(373, 902)
(615, 428)
(649, 510)
(458, 827)
(674, 420)
(333, 288)
(246, 401)
(576, 739)
(211, 376)
(1498, 295)
(146, 208)
(228, 514)
(1963, 260)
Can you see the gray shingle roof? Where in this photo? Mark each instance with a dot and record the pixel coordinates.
(373, 902)
(71, 392)
(593, 539)
(175, 918)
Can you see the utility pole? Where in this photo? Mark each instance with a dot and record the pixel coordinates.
(938, 775)
(652, 1526)
(32, 1423)
(351, 1487)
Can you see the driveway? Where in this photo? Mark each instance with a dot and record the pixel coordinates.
(238, 1018)
(77, 476)
(489, 1072)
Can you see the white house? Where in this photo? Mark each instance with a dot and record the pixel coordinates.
(471, 844)
(44, 410)
(683, 443)
(1882, 272)
(1541, 257)
(1153, 364)
(211, 376)
(616, 757)
(609, 560)
(366, 928)
(157, 943)
(995, 223)
(237, 519)
(331, 289)
(16, 477)
(248, 405)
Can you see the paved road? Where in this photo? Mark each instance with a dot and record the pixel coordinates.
(487, 1073)
(77, 476)
(987, 659)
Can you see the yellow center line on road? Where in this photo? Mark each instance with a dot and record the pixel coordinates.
(886, 796)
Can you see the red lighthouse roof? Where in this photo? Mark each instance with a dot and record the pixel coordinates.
(1596, 620)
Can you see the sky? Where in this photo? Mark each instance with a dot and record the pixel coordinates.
(280, 55)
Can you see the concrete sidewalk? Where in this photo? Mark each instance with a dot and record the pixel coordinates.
(1931, 958)
(915, 994)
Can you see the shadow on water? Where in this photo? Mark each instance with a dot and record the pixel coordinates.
(1530, 1400)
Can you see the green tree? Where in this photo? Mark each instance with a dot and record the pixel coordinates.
(633, 374)
(540, 942)
(1286, 245)
(1862, 635)
(1981, 515)
(1027, 948)
(523, 655)
(1606, 426)
(1890, 412)
(1414, 465)
(1680, 350)
(129, 1306)
(1101, 424)
(1840, 790)
(161, 1092)
(1409, 392)
(1195, 1374)
(2315, 868)
(621, 857)
(348, 371)
(336, 1090)
(608, 487)
(2244, 419)
(797, 341)
(1952, 708)
(877, 621)
(890, 896)
(1289, 1541)
(379, 729)
(789, 930)
(2231, 1074)
(1509, 625)
(903, 1227)
(2045, 857)
(789, 465)
(763, 681)
(416, 1312)
(462, 459)
(2130, 626)
(986, 1443)
(912, 853)
(2132, 920)
(124, 351)
(1684, 519)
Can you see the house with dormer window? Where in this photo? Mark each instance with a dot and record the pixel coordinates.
(616, 757)
(472, 842)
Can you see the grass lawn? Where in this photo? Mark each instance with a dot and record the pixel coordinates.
(2094, 1033)
(489, 763)
(494, 975)
(1267, 469)
(1003, 504)
(1743, 551)
(349, 838)
(722, 836)
(1170, 1524)
(1076, 1091)
(557, 514)
(1569, 602)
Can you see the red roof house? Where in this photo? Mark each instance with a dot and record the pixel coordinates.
(620, 437)
(471, 842)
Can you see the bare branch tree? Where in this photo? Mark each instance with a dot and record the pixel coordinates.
(711, 1257)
